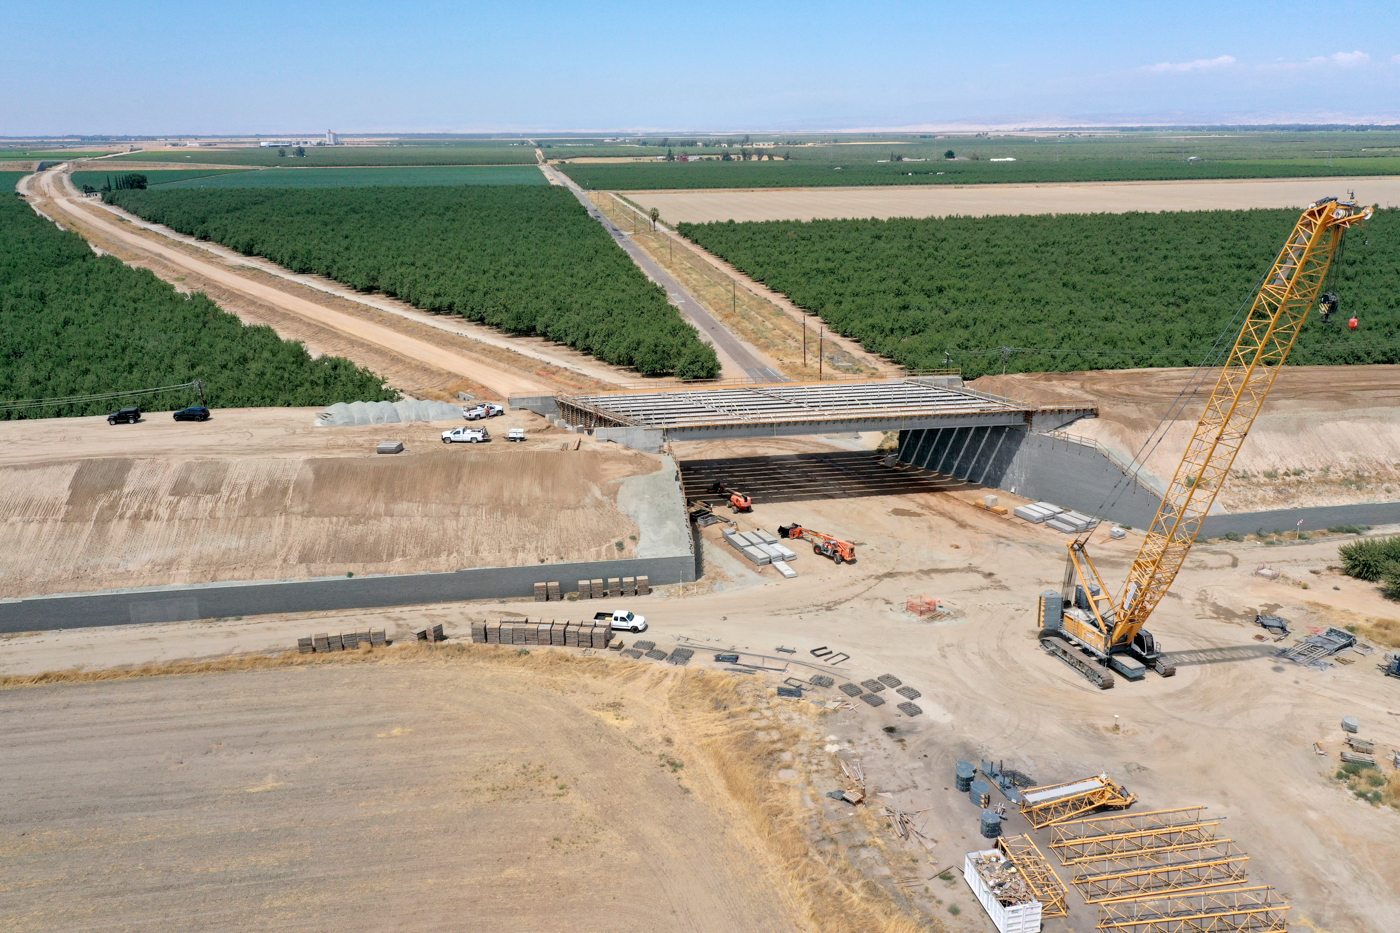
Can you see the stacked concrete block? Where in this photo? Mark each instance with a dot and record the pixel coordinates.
(585, 589)
(599, 590)
(629, 586)
(614, 587)
(479, 632)
(553, 591)
(784, 569)
(644, 586)
(541, 592)
(305, 645)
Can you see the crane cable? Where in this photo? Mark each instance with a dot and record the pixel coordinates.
(1193, 384)
(1183, 398)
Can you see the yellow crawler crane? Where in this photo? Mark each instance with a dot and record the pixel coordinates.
(1083, 615)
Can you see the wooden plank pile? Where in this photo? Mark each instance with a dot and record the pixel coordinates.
(610, 588)
(344, 641)
(542, 632)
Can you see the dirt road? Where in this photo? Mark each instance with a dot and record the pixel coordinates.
(502, 380)
(738, 359)
(706, 205)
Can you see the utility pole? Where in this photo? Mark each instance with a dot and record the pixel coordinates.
(199, 384)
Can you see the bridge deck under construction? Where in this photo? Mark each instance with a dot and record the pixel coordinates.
(756, 410)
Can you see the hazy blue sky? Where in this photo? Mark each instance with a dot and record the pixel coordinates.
(155, 67)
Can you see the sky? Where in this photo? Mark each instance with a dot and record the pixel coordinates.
(152, 67)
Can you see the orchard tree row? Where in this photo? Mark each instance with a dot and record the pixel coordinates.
(73, 323)
(1067, 292)
(526, 259)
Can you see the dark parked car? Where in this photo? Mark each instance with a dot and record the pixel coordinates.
(125, 416)
(193, 413)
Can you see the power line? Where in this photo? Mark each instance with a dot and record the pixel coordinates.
(22, 404)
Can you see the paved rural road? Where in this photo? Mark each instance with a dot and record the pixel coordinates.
(725, 342)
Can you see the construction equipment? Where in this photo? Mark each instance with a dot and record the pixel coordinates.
(824, 544)
(1392, 665)
(738, 501)
(1056, 803)
(1082, 624)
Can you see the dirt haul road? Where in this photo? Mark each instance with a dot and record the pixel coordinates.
(706, 205)
(1233, 731)
(500, 379)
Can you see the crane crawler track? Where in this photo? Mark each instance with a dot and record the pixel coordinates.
(1057, 646)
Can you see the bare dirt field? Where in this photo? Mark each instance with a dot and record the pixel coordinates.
(264, 494)
(407, 794)
(1329, 435)
(706, 205)
(1232, 731)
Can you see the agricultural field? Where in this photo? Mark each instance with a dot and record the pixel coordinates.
(1018, 159)
(526, 259)
(346, 155)
(153, 178)
(644, 176)
(370, 176)
(1065, 293)
(76, 323)
(20, 154)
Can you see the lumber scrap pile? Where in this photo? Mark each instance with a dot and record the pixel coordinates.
(902, 822)
(542, 632)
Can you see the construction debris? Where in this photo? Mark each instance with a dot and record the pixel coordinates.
(1002, 891)
(1275, 625)
(902, 822)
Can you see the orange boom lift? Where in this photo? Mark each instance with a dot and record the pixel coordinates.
(1083, 625)
(824, 544)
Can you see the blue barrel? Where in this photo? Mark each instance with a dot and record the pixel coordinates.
(991, 824)
(981, 793)
(965, 772)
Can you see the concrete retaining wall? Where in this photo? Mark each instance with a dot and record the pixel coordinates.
(222, 600)
(1080, 477)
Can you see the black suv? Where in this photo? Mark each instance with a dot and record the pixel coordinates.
(193, 413)
(125, 416)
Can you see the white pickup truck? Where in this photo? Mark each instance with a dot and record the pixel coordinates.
(623, 621)
(466, 436)
(483, 410)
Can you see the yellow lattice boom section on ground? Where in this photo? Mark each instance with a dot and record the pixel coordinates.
(1055, 803)
(1039, 876)
(1238, 910)
(1210, 865)
(1128, 834)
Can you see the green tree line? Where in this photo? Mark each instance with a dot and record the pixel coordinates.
(526, 259)
(1070, 292)
(74, 323)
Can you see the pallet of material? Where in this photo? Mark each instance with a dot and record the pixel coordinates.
(1032, 513)
(1066, 527)
(644, 586)
(1358, 758)
(614, 587)
(629, 586)
(553, 592)
(1050, 507)
(998, 509)
(787, 572)
(585, 589)
(541, 592)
